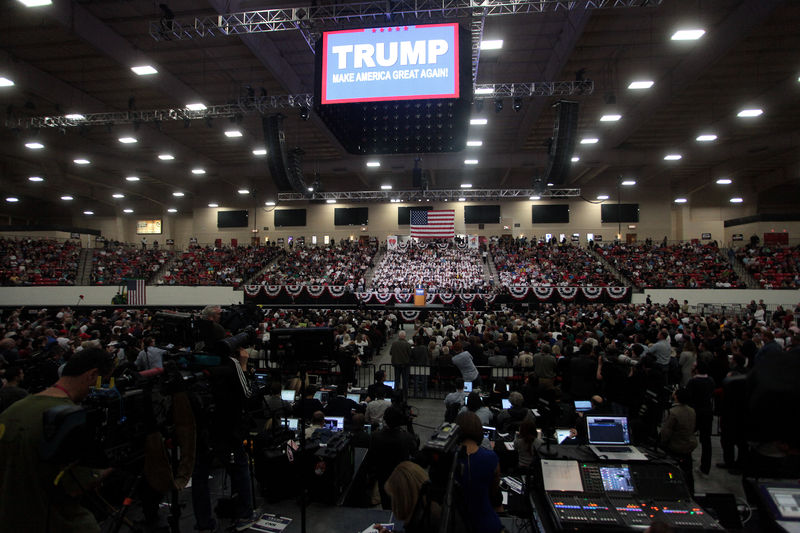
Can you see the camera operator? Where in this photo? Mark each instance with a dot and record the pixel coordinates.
(151, 356)
(37, 496)
(210, 329)
(222, 437)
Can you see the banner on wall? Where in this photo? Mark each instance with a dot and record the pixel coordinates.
(737, 237)
(472, 241)
(391, 242)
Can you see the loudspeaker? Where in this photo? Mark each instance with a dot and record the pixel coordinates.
(562, 144)
(286, 169)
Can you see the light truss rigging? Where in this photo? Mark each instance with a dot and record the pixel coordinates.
(269, 104)
(431, 194)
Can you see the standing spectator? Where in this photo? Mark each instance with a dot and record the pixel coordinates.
(463, 361)
(661, 350)
(388, 448)
(544, 366)
(687, 360)
(677, 434)
(11, 391)
(144, 243)
(479, 475)
(420, 356)
(401, 357)
(701, 398)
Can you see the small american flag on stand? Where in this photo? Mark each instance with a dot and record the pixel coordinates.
(137, 293)
(433, 224)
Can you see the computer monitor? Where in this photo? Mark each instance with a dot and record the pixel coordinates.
(616, 478)
(608, 430)
(389, 384)
(489, 432)
(562, 435)
(262, 378)
(355, 397)
(334, 423)
(582, 406)
(321, 396)
(467, 386)
(291, 423)
(287, 395)
(506, 403)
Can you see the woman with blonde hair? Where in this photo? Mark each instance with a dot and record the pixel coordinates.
(405, 488)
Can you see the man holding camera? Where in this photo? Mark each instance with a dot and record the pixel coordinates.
(221, 437)
(39, 496)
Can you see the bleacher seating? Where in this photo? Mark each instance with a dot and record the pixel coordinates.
(545, 264)
(342, 264)
(773, 267)
(442, 270)
(112, 266)
(226, 266)
(38, 262)
(678, 266)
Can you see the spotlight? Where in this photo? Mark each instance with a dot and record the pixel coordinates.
(517, 104)
(303, 113)
(498, 105)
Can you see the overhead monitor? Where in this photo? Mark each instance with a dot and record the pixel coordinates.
(390, 63)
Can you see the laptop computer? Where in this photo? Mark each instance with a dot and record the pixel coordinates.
(467, 386)
(334, 423)
(506, 403)
(291, 423)
(287, 395)
(489, 432)
(610, 438)
(581, 406)
(389, 384)
(355, 397)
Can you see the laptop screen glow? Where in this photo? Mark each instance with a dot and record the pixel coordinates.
(608, 430)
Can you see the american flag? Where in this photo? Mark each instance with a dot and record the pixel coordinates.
(432, 224)
(137, 293)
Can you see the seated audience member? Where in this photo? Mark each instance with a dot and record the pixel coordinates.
(475, 405)
(677, 434)
(479, 477)
(306, 406)
(526, 442)
(275, 408)
(372, 390)
(359, 434)
(316, 431)
(510, 419)
(453, 402)
(343, 406)
(408, 489)
(376, 408)
(389, 447)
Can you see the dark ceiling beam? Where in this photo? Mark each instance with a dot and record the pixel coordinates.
(730, 32)
(265, 50)
(571, 30)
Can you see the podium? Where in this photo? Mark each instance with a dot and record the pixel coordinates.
(419, 296)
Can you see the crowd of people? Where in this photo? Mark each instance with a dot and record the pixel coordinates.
(28, 262)
(772, 266)
(226, 266)
(676, 266)
(542, 264)
(440, 270)
(112, 266)
(343, 264)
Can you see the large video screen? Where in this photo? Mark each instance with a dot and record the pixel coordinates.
(232, 219)
(351, 216)
(481, 214)
(290, 217)
(390, 63)
(550, 214)
(619, 213)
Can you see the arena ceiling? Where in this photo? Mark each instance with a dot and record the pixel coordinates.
(76, 57)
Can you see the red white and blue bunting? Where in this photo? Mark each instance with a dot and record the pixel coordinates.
(272, 290)
(542, 293)
(382, 297)
(446, 298)
(592, 293)
(409, 316)
(617, 293)
(467, 297)
(518, 293)
(567, 293)
(315, 291)
(293, 290)
(337, 291)
(252, 290)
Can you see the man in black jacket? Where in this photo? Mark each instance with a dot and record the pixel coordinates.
(222, 438)
(389, 447)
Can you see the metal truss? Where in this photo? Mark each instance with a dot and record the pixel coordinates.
(268, 104)
(491, 91)
(244, 106)
(430, 194)
(316, 18)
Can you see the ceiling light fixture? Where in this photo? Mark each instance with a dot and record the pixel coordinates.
(166, 157)
(178, 194)
(128, 140)
(88, 212)
(474, 143)
(750, 113)
(736, 200)
(259, 151)
(688, 35)
(144, 70)
(680, 200)
(724, 181)
(462, 199)
(640, 84)
(269, 202)
(212, 204)
(535, 198)
(5, 82)
(81, 161)
(330, 201)
(12, 199)
(67, 198)
(492, 44)
(466, 185)
(478, 121)
(243, 191)
(75, 116)
(34, 146)
(602, 197)
(575, 158)
(127, 210)
(373, 164)
(198, 171)
(36, 178)
(706, 138)
(118, 195)
(233, 133)
(172, 210)
(470, 161)
(386, 187)
(610, 118)
(628, 183)
(131, 178)
(672, 157)
(590, 140)
(484, 90)
(196, 106)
